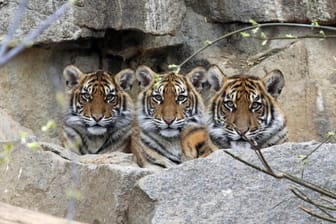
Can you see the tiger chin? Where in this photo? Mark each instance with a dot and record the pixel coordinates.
(168, 108)
(100, 112)
(244, 110)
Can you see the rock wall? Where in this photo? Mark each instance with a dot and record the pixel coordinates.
(93, 37)
(116, 34)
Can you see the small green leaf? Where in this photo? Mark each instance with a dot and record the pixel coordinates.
(174, 68)
(330, 134)
(315, 23)
(263, 36)
(290, 36)
(245, 34)
(157, 79)
(33, 145)
(264, 42)
(255, 30)
(8, 147)
(322, 33)
(73, 194)
(24, 136)
(253, 22)
(301, 156)
(207, 43)
(49, 126)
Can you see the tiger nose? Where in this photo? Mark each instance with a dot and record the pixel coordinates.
(97, 117)
(169, 120)
(242, 131)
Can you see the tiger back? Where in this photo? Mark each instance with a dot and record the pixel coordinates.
(100, 112)
(168, 104)
(244, 110)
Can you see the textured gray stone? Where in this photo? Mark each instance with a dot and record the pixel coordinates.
(266, 10)
(41, 180)
(90, 18)
(219, 189)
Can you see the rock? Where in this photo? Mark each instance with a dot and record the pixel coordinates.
(217, 189)
(43, 181)
(266, 11)
(220, 189)
(89, 19)
(10, 130)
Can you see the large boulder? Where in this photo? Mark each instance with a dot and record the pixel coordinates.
(93, 189)
(220, 189)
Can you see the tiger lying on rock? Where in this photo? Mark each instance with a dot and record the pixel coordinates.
(100, 113)
(245, 109)
(170, 107)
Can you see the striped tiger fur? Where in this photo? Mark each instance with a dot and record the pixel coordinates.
(168, 104)
(100, 112)
(245, 109)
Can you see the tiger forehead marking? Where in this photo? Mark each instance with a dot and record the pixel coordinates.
(165, 98)
(242, 92)
(97, 95)
(246, 107)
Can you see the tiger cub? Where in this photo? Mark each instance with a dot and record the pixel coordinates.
(245, 109)
(168, 104)
(100, 112)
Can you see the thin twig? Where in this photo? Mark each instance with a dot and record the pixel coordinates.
(19, 12)
(283, 175)
(317, 215)
(317, 147)
(210, 43)
(305, 198)
(28, 40)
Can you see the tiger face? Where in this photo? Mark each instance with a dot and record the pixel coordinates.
(168, 104)
(244, 109)
(99, 108)
(169, 101)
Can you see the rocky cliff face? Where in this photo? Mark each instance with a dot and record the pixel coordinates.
(124, 33)
(117, 34)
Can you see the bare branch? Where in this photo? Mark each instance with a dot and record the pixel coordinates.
(28, 40)
(305, 198)
(210, 43)
(316, 215)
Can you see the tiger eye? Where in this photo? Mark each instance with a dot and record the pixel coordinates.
(85, 96)
(181, 98)
(255, 106)
(229, 104)
(109, 97)
(157, 97)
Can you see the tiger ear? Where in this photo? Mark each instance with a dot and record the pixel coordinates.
(197, 77)
(125, 78)
(274, 82)
(71, 74)
(215, 77)
(144, 75)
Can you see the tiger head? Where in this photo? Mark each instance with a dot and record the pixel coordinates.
(169, 101)
(245, 109)
(98, 101)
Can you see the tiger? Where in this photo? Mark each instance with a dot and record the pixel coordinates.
(244, 111)
(167, 105)
(100, 112)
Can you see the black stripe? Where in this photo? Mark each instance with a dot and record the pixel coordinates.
(161, 152)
